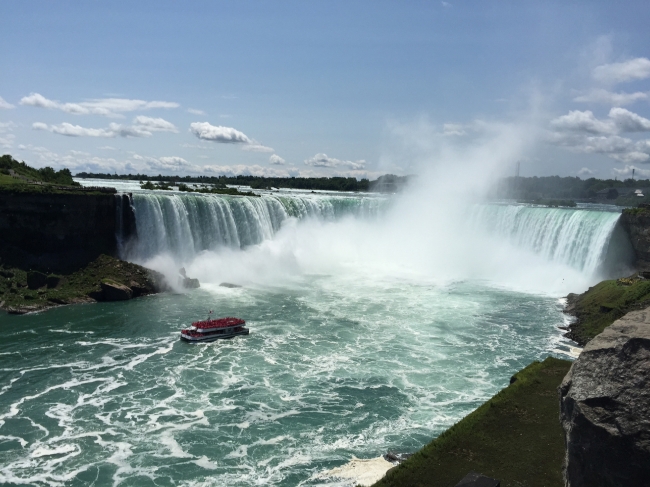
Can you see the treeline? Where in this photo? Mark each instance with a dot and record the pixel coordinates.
(47, 175)
(556, 187)
(386, 183)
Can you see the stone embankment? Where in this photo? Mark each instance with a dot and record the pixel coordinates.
(605, 399)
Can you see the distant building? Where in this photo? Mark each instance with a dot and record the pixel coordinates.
(613, 193)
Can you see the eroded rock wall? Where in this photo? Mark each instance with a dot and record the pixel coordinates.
(605, 407)
(636, 223)
(56, 232)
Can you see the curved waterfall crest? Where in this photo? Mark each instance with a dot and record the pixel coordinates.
(183, 225)
(186, 224)
(578, 238)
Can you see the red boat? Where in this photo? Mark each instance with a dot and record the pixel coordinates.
(209, 330)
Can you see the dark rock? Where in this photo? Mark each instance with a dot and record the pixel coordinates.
(228, 284)
(114, 291)
(637, 226)
(189, 283)
(36, 279)
(182, 272)
(53, 282)
(139, 290)
(604, 401)
(392, 456)
(474, 479)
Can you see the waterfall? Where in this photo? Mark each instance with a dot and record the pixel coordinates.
(186, 224)
(183, 225)
(583, 239)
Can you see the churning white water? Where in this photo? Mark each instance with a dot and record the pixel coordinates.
(376, 323)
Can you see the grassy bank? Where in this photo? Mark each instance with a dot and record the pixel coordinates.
(25, 291)
(515, 437)
(603, 304)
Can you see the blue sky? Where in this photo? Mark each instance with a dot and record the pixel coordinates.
(321, 88)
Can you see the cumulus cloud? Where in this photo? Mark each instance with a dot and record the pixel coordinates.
(634, 69)
(609, 98)
(585, 171)
(5, 104)
(619, 120)
(142, 127)
(109, 107)
(277, 160)
(154, 124)
(218, 133)
(577, 121)
(227, 135)
(323, 160)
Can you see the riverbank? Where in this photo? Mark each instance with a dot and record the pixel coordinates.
(515, 437)
(601, 305)
(104, 279)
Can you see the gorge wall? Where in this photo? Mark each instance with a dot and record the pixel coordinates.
(60, 231)
(604, 403)
(636, 222)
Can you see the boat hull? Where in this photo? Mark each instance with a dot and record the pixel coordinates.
(210, 337)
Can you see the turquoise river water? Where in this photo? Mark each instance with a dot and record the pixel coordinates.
(350, 353)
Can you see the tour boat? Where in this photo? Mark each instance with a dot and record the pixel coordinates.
(209, 330)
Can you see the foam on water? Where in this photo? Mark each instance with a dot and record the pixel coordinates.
(362, 340)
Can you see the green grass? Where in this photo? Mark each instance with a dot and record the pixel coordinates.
(515, 437)
(604, 303)
(76, 287)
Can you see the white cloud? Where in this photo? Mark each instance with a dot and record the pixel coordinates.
(323, 160)
(218, 133)
(5, 104)
(110, 107)
(194, 111)
(585, 171)
(634, 69)
(255, 147)
(577, 121)
(609, 98)
(154, 124)
(627, 121)
(142, 127)
(277, 160)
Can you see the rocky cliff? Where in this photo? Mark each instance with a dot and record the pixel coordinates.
(636, 222)
(62, 231)
(604, 401)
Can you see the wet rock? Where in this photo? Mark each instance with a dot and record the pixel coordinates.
(189, 283)
(36, 279)
(114, 291)
(228, 284)
(604, 402)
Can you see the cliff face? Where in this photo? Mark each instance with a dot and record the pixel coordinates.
(604, 402)
(636, 223)
(58, 231)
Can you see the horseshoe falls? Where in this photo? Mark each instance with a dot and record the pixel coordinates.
(375, 325)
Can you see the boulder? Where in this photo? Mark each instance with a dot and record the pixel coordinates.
(604, 404)
(114, 291)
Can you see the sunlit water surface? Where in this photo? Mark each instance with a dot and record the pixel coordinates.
(335, 366)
